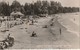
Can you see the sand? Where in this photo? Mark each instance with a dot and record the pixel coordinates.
(47, 38)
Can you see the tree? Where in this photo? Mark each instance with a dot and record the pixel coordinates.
(28, 8)
(4, 8)
(22, 9)
(37, 7)
(44, 7)
(53, 7)
(1, 8)
(15, 6)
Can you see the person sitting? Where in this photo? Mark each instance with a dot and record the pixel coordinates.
(45, 26)
(33, 34)
(51, 24)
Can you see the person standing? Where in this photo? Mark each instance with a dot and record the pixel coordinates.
(60, 31)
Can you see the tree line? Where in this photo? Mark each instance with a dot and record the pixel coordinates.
(35, 8)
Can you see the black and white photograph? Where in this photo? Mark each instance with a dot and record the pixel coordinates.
(39, 24)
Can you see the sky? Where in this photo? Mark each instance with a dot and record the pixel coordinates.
(67, 3)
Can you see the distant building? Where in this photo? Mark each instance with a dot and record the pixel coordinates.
(16, 14)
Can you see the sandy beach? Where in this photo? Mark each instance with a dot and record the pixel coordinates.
(47, 37)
